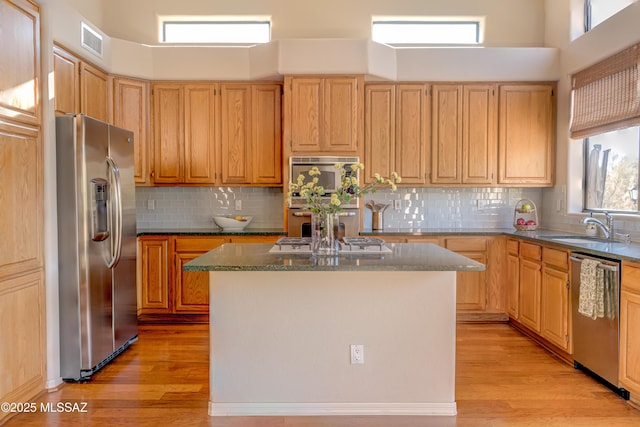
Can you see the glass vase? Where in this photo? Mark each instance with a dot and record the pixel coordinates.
(323, 234)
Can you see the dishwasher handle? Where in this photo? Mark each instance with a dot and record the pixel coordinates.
(604, 264)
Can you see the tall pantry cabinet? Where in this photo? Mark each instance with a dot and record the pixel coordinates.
(22, 293)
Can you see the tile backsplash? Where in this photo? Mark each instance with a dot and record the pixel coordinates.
(194, 207)
(451, 207)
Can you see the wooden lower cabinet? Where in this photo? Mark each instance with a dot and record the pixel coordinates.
(530, 282)
(165, 291)
(629, 368)
(538, 293)
(513, 279)
(555, 313)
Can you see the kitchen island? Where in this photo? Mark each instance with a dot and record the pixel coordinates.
(282, 327)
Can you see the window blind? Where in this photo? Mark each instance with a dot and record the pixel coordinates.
(606, 95)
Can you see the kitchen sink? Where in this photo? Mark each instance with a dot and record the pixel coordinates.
(585, 241)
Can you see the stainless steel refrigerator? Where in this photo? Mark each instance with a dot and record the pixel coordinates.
(96, 244)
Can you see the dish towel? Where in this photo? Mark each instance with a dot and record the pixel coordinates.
(591, 302)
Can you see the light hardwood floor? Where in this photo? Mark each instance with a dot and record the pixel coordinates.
(502, 379)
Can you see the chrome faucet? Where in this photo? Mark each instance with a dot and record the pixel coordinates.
(607, 228)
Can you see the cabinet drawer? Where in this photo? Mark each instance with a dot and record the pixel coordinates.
(467, 244)
(513, 246)
(527, 250)
(631, 277)
(556, 258)
(198, 244)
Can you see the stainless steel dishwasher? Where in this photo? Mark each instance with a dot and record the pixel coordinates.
(596, 348)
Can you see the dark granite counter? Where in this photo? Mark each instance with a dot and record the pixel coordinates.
(403, 257)
(212, 232)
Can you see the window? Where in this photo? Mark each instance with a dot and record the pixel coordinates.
(611, 170)
(597, 11)
(216, 32)
(400, 33)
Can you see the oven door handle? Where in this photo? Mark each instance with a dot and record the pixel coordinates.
(307, 213)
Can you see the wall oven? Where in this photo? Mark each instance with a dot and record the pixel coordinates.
(298, 218)
(329, 177)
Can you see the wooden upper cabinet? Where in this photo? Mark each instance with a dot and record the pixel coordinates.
(94, 92)
(168, 133)
(20, 61)
(131, 111)
(199, 133)
(464, 134)
(66, 69)
(21, 222)
(412, 118)
(323, 114)
(266, 132)
(479, 134)
(184, 124)
(379, 131)
(342, 114)
(526, 140)
(236, 133)
(446, 134)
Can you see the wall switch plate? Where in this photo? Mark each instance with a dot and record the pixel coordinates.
(151, 204)
(357, 354)
(397, 204)
(238, 205)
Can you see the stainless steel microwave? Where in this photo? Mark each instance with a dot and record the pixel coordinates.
(329, 177)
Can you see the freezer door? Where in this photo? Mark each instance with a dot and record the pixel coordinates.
(125, 321)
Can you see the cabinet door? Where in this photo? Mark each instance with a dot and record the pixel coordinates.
(554, 307)
(153, 275)
(471, 286)
(306, 109)
(94, 92)
(20, 61)
(254, 239)
(479, 134)
(21, 193)
(341, 115)
(411, 129)
(236, 133)
(629, 369)
(379, 132)
(530, 278)
(66, 85)
(266, 132)
(199, 133)
(168, 134)
(513, 286)
(191, 288)
(526, 140)
(131, 111)
(446, 134)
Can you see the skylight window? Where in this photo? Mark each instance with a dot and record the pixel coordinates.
(216, 32)
(426, 32)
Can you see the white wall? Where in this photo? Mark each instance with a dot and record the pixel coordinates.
(509, 23)
(578, 51)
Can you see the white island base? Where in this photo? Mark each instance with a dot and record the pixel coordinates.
(280, 342)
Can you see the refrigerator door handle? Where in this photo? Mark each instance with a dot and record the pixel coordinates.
(117, 207)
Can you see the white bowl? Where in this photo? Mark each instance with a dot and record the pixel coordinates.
(231, 224)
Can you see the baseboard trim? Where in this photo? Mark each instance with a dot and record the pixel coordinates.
(305, 409)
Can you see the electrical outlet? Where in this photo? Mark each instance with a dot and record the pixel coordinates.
(238, 205)
(397, 204)
(357, 354)
(151, 204)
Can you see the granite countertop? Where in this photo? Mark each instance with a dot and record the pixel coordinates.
(212, 232)
(595, 246)
(403, 257)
